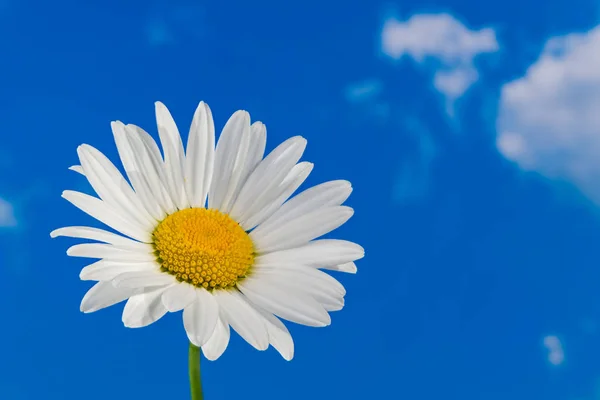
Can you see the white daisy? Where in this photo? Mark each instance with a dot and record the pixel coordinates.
(211, 231)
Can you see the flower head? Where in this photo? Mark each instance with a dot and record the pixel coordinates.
(210, 231)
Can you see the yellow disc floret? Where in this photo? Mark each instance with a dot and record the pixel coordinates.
(205, 248)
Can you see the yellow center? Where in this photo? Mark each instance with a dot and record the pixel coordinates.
(205, 248)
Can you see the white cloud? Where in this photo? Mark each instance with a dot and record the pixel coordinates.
(549, 119)
(7, 215)
(445, 41)
(454, 83)
(556, 355)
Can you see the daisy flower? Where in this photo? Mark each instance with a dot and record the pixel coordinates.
(212, 230)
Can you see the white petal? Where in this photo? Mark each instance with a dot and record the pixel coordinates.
(102, 295)
(177, 297)
(284, 302)
(200, 154)
(266, 177)
(110, 252)
(250, 153)
(332, 193)
(256, 150)
(111, 187)
(308, 281)
(143, 309)
(174, 154)
(155, 160)
(300, 275)
(200, 318)
(322, 253)
(108, 270)
(243, 318)
(154, 174)
(246, 162)
(78, 169)
(269, 204)
(279, 336)
(96, 208)
(85, 232)
(347, 267)
(218, 342)
(132, 163)
(150, 143)
(300, 230)
(143, 279)
(230, 160)
(333, 305)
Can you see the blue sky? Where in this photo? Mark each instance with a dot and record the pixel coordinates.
(470, 132)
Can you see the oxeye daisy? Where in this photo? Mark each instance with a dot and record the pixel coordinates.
(212, 230)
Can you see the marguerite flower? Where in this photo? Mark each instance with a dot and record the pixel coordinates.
(211, 231)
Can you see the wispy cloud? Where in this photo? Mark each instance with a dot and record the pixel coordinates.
(168, 22)
(19, 216)
(554, 347)
(414, 178)
(7, 215)
(412, 182)
(366, 95)
(366, 90)
(158, 32)
(444, 41)
(549, 119)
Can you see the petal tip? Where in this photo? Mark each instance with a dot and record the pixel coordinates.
(301, 140)
(327, 321)
(78, 169)
(242, 114)
(209, 356)
(289, 356)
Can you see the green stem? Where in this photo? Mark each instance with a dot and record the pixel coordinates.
(194, 366)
